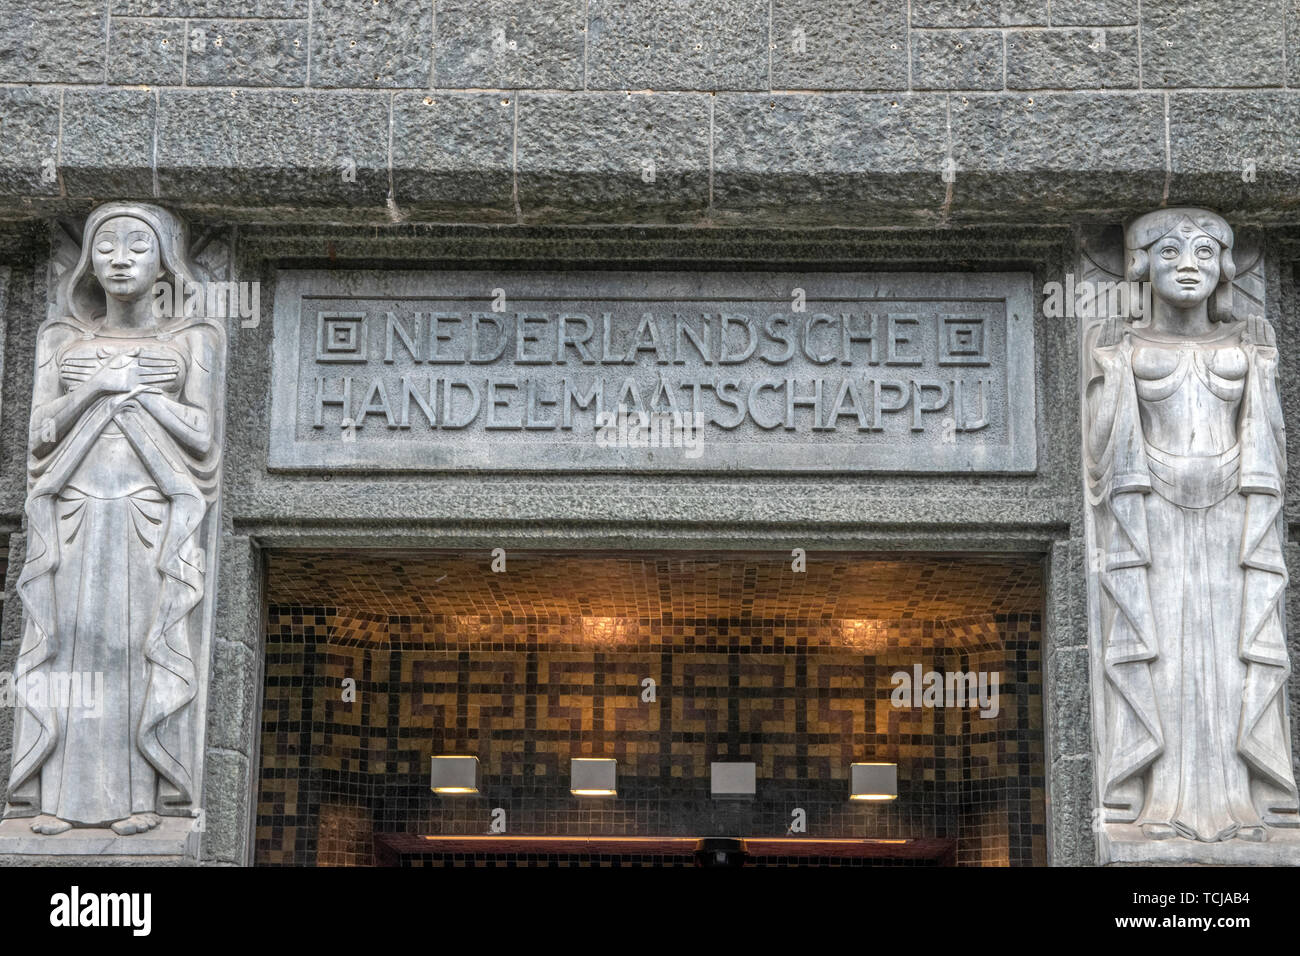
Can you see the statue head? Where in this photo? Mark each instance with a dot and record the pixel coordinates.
(126, 248)
(1186, 255)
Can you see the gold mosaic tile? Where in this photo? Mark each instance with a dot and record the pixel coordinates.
(546, 662)
(834, 586)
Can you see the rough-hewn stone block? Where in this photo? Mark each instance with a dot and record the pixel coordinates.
(1067, 623)
(107, 149)
(1293, 46)
(957, 60)
(247, 53)
(979, 13)
(239, 616)
(504, 44)
(52, 43)
(226, 806)
(677, 45)
(382, 44)
(234, 693)
(839, 45)
(638, 158)
(1242, 150)
(453, 154)
(1071, 801)
(253, 148)
(272, 9)
(835, 158)
(1070, 702)
(147, 51)
(1199, 43)
(29, 142)
(1072, 59)
(1094, 13)
(1057, 152)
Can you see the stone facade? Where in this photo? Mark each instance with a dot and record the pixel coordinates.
(788, 112)
(936, 137)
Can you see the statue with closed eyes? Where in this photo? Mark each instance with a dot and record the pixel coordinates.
(123, 474)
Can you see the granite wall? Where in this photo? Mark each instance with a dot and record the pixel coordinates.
(838, 112)
(935, 136)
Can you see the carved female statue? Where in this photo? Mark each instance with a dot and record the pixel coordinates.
(123, 467)
(1185, 459)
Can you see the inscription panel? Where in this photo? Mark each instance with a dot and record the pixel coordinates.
(403, 371)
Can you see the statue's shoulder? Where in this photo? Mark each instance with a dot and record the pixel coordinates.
(1108, 333)
(66, 326)
(204, 340)
(201, 328)
(57, 333)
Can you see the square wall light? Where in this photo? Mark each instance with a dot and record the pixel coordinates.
(873, 781)
(593, 777)
(733, 779)
(453, 775)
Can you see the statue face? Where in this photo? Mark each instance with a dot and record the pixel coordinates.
(1185, 266)
(126, 257)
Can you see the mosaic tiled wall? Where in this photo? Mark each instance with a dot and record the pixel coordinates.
(802, 698)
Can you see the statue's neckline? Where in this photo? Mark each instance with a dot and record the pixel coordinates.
(100, 328)
(1166, 339)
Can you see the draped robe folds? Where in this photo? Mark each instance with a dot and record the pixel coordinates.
(160, 728)
(1159, 751)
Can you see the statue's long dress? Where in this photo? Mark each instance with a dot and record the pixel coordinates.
(106, 588)
(113, 518)
(1198, 785)
(1190, 490)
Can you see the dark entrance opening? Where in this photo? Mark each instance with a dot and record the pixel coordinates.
(666, 663)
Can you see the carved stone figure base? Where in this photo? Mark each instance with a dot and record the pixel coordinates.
(176, 837)
(1121, 844)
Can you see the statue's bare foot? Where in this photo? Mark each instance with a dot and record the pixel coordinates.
(136, 823)
(1158, 831)
(50, 825)
(1253, 834)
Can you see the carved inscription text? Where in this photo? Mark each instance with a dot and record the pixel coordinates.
(444, 370)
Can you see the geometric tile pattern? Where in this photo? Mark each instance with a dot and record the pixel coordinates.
(801, 696)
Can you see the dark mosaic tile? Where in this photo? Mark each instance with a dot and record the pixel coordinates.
(528, 678)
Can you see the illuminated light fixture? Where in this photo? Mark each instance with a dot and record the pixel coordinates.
(593, 777)
(866, 635)
(733, 779)
(605, 630)
(873, 781)
(453, 775)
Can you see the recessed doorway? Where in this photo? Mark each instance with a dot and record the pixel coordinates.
(666, 663)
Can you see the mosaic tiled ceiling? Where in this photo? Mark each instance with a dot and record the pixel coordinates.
(659, 586)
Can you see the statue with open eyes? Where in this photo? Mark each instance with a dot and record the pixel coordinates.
(1185, 461)
(123, 471)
